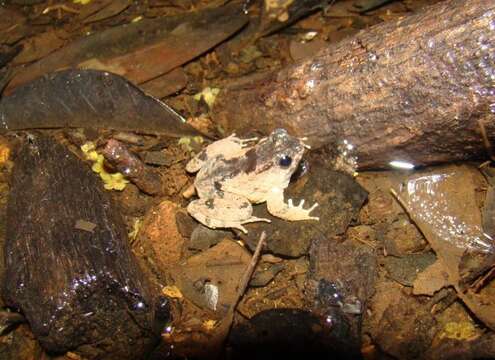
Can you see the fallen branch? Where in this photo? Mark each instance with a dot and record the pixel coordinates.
(410, 90)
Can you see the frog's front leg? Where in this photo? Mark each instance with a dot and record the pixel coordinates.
(223, 210)
(277, 207)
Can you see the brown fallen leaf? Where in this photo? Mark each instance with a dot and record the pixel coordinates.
(432, 279)
(113, 8)
(143, 50)
(39, 46)
(443, 205)
(166, 84)
(92, 8)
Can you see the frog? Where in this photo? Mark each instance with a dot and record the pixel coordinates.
(233, 174)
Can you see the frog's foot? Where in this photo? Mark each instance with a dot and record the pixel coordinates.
(213, 223)
(248, 141)
(251, 220)
(299, 213)
(277, 207)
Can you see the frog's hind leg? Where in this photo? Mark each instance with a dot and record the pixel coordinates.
(223, 211)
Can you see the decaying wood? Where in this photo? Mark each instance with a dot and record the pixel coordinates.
(88, 98)
(78, 289)
(409, 90)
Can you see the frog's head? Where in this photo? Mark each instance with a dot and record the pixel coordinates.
(278, 156)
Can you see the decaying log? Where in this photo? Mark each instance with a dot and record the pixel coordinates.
(409, 90)
(79, 288)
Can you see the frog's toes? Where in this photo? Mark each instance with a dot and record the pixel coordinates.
(240, 227)
(255, 219)
(303, 214)
(246, 142)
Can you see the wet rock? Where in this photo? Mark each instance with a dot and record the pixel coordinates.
(281, 333)
(482, 347)
(185, 223)
(381, 207)
(265, 273)
(210, 279)
(339, 197)
(362, 233)
(160, 237)
(406, 329)
(342, 276)
(401, 238)
(159, 158)
(285, 291)
(77, 289)
(203, 237)
(405, 269)
(20, 344)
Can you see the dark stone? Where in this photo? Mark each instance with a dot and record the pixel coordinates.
(407, 328)
(339, 197)
(341, 276)
(266, 274)
(78, 290)
(280, 333)
(203, 237)
(405, 269)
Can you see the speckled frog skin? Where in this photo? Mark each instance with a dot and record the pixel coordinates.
(234, 173)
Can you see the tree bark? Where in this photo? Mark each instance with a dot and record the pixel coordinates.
(411, 90)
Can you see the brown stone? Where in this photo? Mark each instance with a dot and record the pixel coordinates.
(160, 237)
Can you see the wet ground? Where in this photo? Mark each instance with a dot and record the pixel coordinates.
(399, 265)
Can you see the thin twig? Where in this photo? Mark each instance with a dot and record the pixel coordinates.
(400, 201)
(223, 329)
(250, 270)
(486, 141)
(59, 8)
(483, 280)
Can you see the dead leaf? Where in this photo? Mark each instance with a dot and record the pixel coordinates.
(38, 47)
(142, 50)
(166, 84)
(113, 8)
(442, 203)
(432, 279)
(223, 266)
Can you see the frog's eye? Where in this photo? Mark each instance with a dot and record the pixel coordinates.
(285, 161)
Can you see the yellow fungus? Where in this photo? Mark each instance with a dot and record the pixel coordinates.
(189, 142)
(463, 330)
(208, 95)
(209, 324)
(115, 181)
(4, 153)
(172, 292)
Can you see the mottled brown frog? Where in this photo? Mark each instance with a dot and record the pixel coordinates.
(234, 173)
